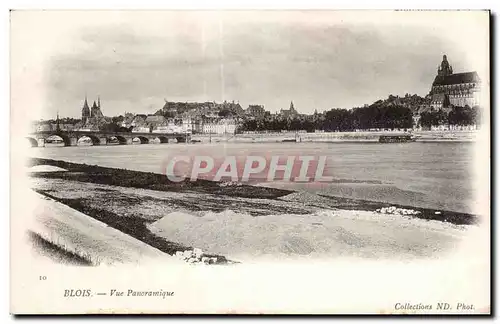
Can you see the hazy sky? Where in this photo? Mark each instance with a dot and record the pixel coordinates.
(320, 60)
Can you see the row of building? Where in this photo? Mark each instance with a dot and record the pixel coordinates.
(196, 118)
(159, 124)
(448, 89)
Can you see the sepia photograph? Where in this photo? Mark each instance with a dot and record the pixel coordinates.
(250, 162)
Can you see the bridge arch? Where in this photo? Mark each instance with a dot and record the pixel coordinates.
(161, 139)
(55, 138)
(116, 139)
(140, 140)
(181, 139)
(32, 141)
(94, 139)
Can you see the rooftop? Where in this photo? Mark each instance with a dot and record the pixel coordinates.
(456, 78)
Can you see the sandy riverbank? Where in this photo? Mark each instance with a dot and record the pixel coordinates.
(245, 222)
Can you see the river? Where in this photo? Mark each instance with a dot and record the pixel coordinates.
(429, 175)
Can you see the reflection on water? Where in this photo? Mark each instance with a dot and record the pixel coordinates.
(433, 175)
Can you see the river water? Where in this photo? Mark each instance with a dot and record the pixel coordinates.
(430, 175)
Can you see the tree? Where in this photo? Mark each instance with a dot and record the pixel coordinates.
(225, 112)
(476, 115)
(249, 125)
(433, 118)
(426, 119)
(110, 127)
(125, 129)
(118, 119)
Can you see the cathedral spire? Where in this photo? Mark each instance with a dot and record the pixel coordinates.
(99, 101)
(85, 104)
(85, 110)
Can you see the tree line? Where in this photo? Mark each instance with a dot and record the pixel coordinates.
(462, 116)
(375, 116)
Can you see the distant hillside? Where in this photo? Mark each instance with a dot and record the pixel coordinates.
(413, 102)
(171, 109)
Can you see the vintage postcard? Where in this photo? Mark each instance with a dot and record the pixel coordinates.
(250, 162)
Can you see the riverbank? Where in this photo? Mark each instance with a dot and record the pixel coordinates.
(335, 137)
(224, 192)
(233, 223)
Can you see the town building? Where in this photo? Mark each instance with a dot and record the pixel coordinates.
(139, 120)
(192, 125)
(454, 89)
(127, 120)
(255, 111)
(221, 126)
(141, 130)
(288, 113)
(154, 121)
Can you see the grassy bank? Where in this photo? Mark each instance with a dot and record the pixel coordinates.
(57, 252)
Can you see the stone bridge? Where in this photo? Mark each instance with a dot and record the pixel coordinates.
(70, 138)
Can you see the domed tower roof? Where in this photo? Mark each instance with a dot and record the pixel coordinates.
(445, 68)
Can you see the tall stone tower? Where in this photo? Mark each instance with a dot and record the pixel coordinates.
(445, 68)
(95, 111)
(85, 112)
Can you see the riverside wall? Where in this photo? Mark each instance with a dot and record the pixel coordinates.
(327, 137)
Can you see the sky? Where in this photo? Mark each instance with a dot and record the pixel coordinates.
(134, 60)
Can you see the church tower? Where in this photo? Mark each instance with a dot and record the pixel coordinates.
(85, 111)
(445, 68)
(93, 110)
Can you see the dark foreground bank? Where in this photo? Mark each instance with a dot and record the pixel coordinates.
(159, 182)
(149, 180)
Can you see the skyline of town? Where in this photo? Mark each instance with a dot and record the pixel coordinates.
(151, 109)
(97, 102)
(454, 99)
(259, 58)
